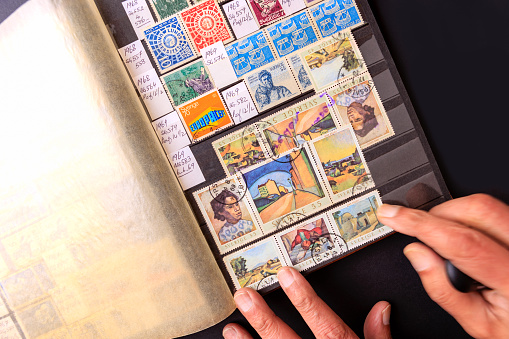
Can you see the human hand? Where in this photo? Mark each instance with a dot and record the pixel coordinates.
(473, 233)
(322, 321)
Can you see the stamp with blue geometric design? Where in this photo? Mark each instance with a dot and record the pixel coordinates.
(333, 16)
(292, 34)
(250, 53)
(169, 44)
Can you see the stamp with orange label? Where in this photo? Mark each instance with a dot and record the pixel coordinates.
(204, 116)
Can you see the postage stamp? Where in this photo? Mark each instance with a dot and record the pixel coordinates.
(283, 186)
(169, 44)
(300, 72)
(187, 83)
(292, 34)
(332, 59)
(227, 213)
(332, 16)
(358, 103)
(272, 85)
(239, 151)
(310, 243)
(294, 126)
(249, 53)
(166, 8)
(204, 115)
(40, 318)
(342, 164)
(206, 24)
(357, 220)
(266, 11)
(255, 266)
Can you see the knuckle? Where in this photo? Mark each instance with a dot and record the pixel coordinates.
(467, 243)
(329, 331)
(413, 216)
(266, 325)
(306, 304)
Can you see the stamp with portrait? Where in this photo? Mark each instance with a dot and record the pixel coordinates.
(272, 85)
(332, 59)
(300, 123)
(357, 220)
(266, 11)
(310, 243)
(239, 151)
(299, 72)
(204, 116)
(283, 186)
(341, 164)
(206, 24)
(358, 103)
(292, 34)
(250, 53)
(255, 266)
(169, 44)
(188, 82)
(333, 16)
(227, 213)
(167, 8)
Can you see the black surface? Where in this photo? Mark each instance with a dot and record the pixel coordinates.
(452, 59)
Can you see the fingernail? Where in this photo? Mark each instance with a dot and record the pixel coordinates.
(386, 315)
(418, 259)
(243, 301)
(285, 277)
(388, 211)
(229, 333)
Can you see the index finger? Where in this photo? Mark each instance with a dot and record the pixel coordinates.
(469, 250)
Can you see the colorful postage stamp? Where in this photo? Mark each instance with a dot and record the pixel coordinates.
(206, 24)
(239, 151)
(357, 221)
(342, 163)
(332, 59)
(358, 103)
(284, 186)
(169, 44)
(272, 85)
(188, 82)
(204, 115)
(292, 34)
(310, 243)
(295, 126)
(166, 8)
(300, 72)
(249, 53)
(332, 16)
(266, 11)
(255, 266)
(228, 216)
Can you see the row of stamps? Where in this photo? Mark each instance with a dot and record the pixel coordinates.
(281, 190)
(179, 38)
(353, 101)
(321, 238)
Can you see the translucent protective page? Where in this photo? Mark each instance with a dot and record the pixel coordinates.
(96, 237)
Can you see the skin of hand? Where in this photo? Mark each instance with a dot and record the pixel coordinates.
(472, 232)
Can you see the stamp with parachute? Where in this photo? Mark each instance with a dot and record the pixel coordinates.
(227, 212)
(357, 220)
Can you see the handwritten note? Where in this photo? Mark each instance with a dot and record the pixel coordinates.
(139, 15)
(239, 102)
(241, 18)
(187, 169)
(153, 94)
(217, 62)
(135, 58)
(292, 6)
(171, 133)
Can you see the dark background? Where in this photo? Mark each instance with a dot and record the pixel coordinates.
(452, 57)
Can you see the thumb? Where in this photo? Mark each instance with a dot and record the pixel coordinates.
(376, 325)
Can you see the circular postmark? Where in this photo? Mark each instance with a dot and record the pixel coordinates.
(363, 182)
(268, 279)
(290, 219)
(327, 246)
(228, 192)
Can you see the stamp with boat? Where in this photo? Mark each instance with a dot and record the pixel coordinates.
(333, 16)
